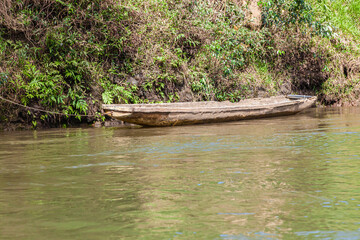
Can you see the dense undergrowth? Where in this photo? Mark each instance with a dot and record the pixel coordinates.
(71, 56)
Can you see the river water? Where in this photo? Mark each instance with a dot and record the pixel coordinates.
(295, 177)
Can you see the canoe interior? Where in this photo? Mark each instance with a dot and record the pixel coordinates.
(189, 106)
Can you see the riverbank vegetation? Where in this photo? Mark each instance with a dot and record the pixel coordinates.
(70, 57)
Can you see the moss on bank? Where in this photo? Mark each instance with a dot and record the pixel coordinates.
(71, 56)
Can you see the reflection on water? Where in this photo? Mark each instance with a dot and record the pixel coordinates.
(294, 177)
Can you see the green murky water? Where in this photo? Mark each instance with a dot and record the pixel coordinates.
(294, 177)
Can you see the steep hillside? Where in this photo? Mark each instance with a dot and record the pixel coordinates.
(70, 56)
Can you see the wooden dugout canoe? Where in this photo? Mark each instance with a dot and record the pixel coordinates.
(185, 113)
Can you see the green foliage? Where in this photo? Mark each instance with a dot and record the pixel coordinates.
(335, 89)
(343, 14)
(235, 49)
(40, 86)
(265, 77)
(71, 56)
(114, 93)
(299, 13)
(51, 90)
(234, 46)
(202, 85)
(284, 13)
(71, 48)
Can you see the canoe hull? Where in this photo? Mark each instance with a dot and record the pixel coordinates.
(184, 114)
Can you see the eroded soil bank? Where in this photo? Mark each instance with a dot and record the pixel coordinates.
(69, 57)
